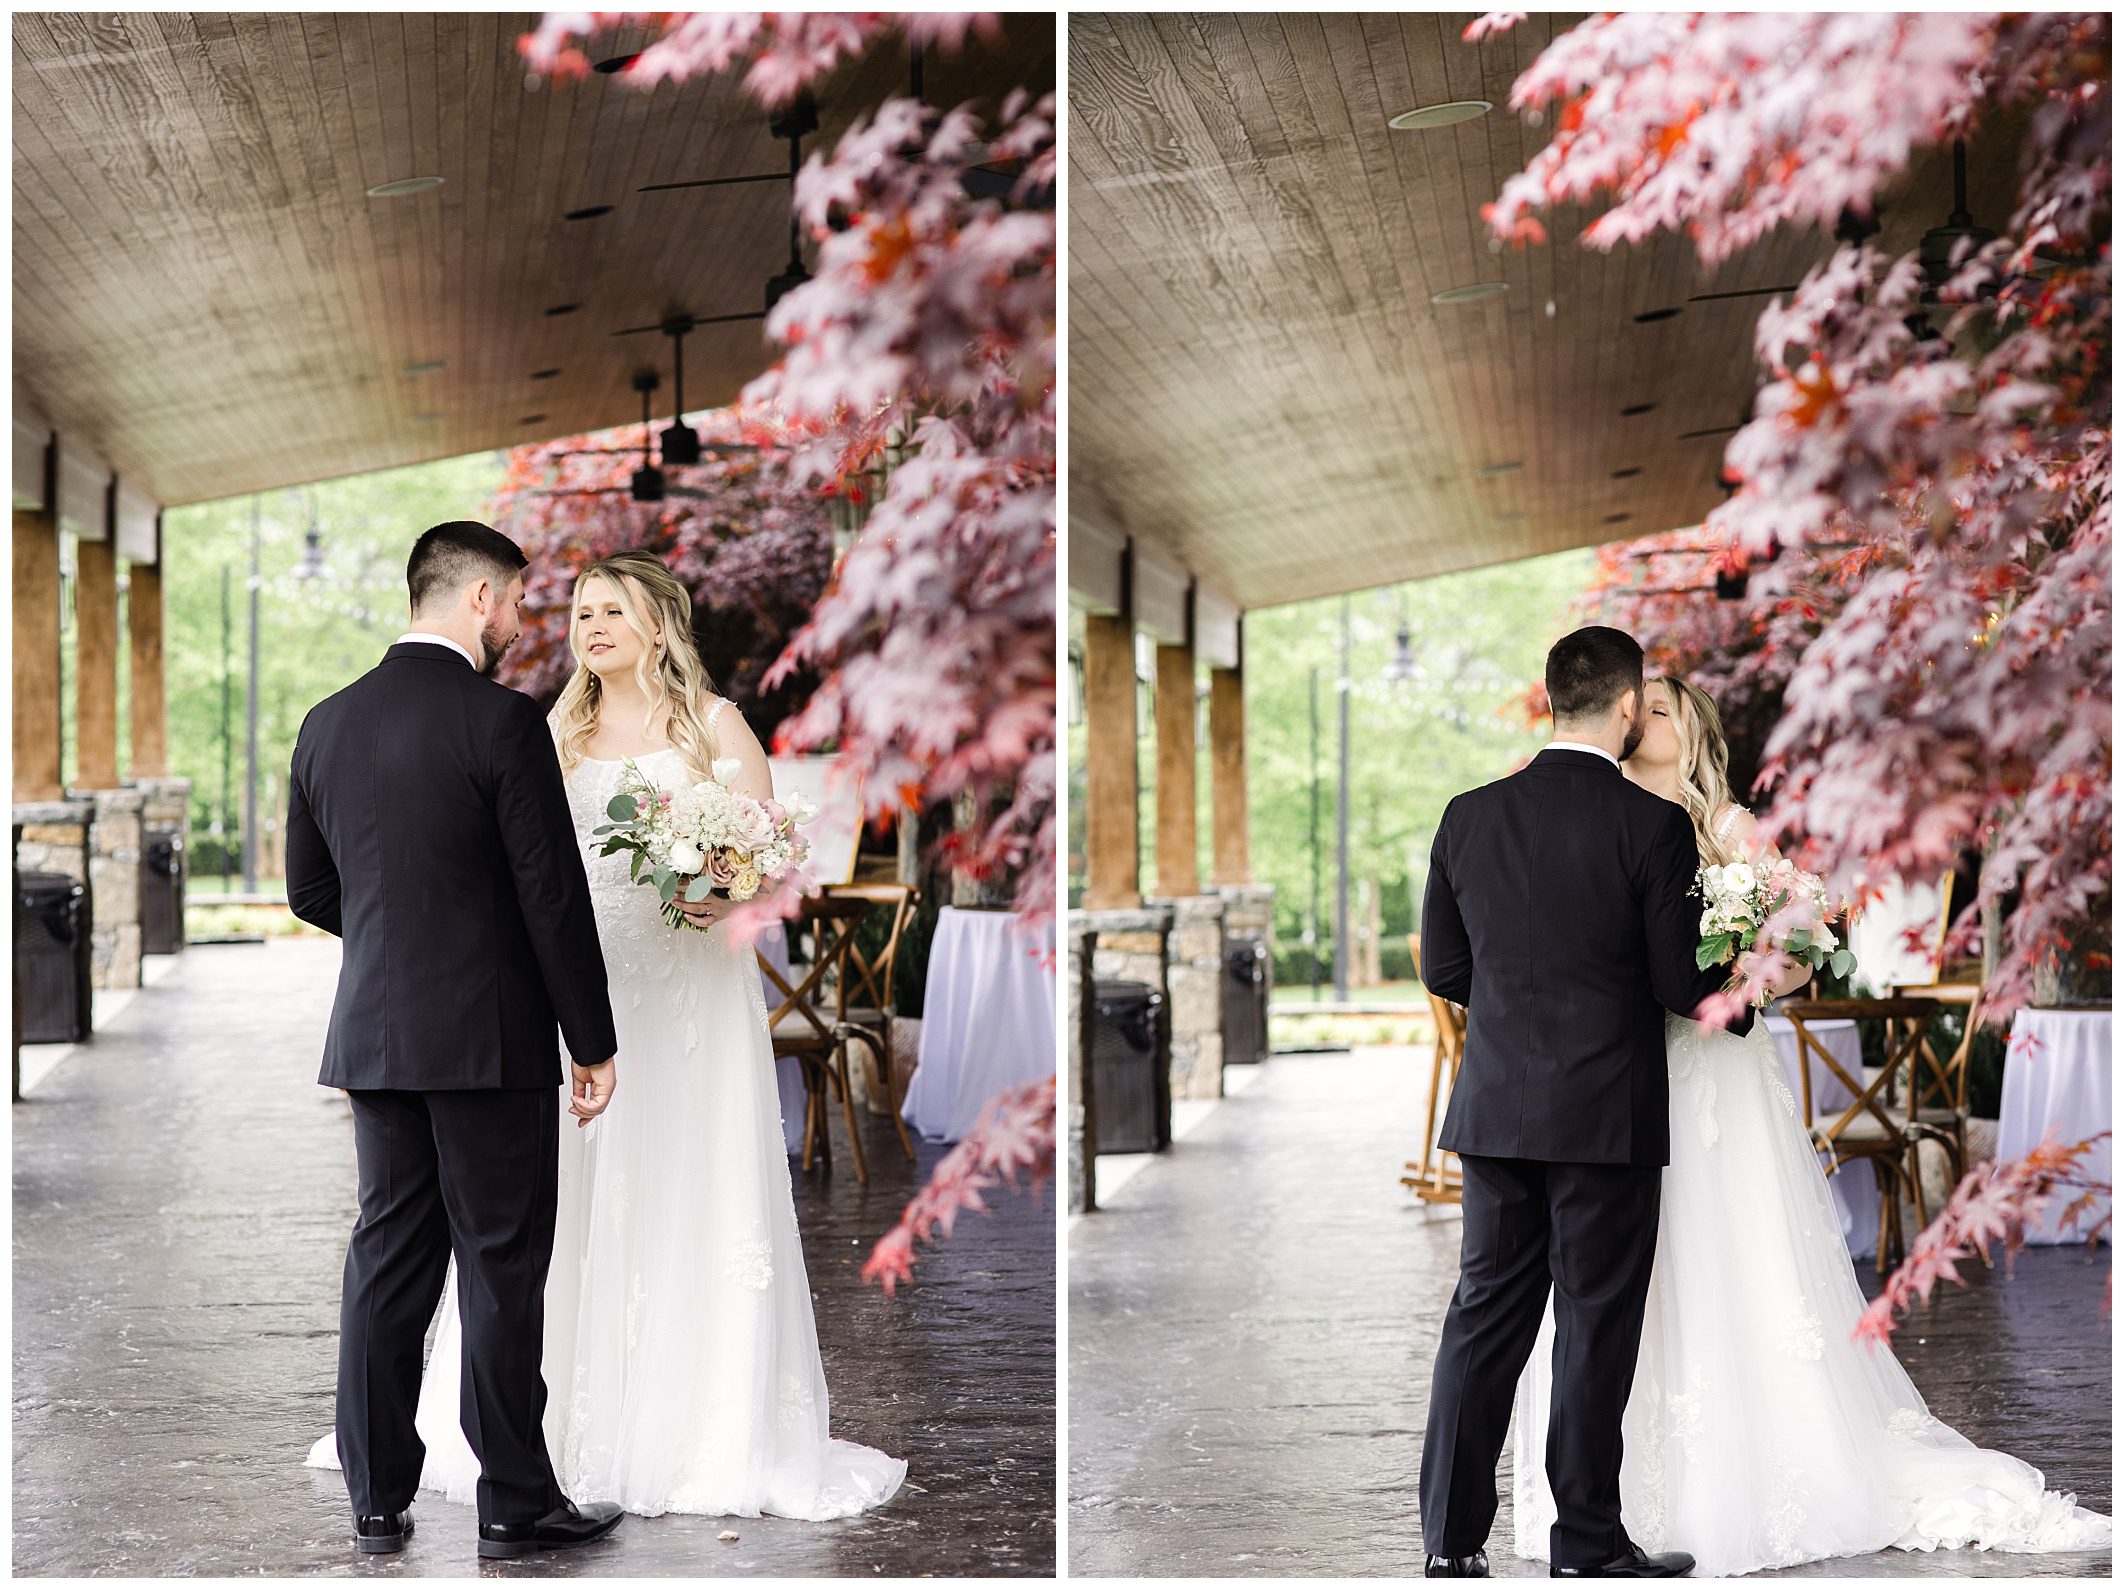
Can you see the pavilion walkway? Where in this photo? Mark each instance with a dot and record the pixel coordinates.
(183, 1192)
(1253, 1318)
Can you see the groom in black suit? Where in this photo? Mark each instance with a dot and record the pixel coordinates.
(428, 829)
(1559, 913)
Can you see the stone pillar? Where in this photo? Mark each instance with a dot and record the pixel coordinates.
(1083, 1106)
(1174, 708)
(114, 882)
(36, 648)
(1195, 975)
(95, 665)
(150, 714)
(55, 836)
(1111, 879)
(1229, 862)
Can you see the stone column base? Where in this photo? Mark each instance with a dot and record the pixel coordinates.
(1195, 975)
(114, 883)
(1083, 1107)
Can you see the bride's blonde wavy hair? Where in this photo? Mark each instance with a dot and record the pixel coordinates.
(1702, 768)
(670, 673)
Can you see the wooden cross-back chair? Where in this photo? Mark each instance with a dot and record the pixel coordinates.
(1937, 1091)
(1435, 1176)
(802, 1031)
(865, 992)
(1866, 1129)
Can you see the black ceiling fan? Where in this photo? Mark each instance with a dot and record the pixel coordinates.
(648, 483)
(680, 443)
(794, 122)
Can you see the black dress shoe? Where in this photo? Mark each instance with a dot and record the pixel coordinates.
(382, 1531)
(1634, 1564)
(1475, 1567)
(567, 1525)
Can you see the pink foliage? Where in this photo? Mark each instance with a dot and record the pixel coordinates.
(1014, 1136)
(1993, 1204)
(1924, 484)
(788, 49)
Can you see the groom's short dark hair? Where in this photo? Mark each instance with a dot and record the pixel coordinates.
(451, 556)
(1590, 670)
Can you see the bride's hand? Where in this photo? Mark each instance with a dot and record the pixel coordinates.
(592, 1091)
(702, 913)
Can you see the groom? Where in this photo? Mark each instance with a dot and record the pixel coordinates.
(1558, 912)
(428, 829)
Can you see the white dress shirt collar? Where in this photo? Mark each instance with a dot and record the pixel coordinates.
(1580, 745)
(436, 640)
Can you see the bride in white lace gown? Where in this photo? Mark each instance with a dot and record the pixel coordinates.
(1759, 1433)
(681, 1355)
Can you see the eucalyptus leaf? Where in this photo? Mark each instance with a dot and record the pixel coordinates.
(699, 890)
(666, 886)
(1842, 962)
(622, 808)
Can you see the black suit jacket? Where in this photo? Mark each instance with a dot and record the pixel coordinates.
(428, 829)
(1559, 912)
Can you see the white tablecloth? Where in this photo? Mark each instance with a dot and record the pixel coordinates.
(1854, 1190)
(988, 1019)
(2058, 1075)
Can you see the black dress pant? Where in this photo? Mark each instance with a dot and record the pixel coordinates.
(1592, 1231)
(474, 1173)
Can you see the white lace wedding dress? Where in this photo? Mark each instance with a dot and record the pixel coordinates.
(1759, 1434)
(681, 1359)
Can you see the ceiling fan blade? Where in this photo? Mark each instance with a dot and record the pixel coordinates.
(1716, 430)
(598, 452)
(712, 182)
(1742, 292)
(587, 491)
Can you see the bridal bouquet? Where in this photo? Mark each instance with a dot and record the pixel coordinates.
(703, 839)
(1743, 899)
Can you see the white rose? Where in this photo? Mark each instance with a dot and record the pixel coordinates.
(725, 769)
(685, 858)
(1740, 877)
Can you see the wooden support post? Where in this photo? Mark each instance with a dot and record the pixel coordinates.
(150, 714)
(36, 644)
(1228, 817)
(96, 664)
(1111, 881)
(1179, 873)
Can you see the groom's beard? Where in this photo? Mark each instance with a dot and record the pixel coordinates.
(493, 646)
(1632, 737)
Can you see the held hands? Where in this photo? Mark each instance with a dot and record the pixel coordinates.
(592, 1091)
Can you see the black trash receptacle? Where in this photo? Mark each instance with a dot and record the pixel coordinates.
(52, 982)
(162, 892)
(1128, 1068)
(1246, 988)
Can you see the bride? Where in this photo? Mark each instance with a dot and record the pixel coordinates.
(1759, 1433)
(681, 1356)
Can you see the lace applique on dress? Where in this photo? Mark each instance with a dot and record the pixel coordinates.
(1802, 1336)
(751, 1264)
(1787, 1510)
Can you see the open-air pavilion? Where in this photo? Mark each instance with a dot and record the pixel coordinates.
(255, 250)
(1299, 368)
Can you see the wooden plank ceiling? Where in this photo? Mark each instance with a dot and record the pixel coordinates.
(205, 297)
(1260, 384)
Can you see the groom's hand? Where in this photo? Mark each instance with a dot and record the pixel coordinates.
(592, 1091)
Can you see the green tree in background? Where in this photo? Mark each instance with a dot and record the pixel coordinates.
(314, 635)
(1478, 638)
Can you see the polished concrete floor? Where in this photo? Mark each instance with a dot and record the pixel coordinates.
(1253, 1319)
(183, 1192)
